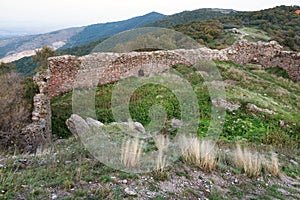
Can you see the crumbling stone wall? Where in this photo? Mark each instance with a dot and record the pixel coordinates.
(110, 67)
(39, 133)
(267, 54)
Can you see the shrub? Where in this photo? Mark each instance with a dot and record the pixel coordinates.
(248, 161)
(131, 153)
(162, 142)
(199, 153)
(14, 109)
(272, 166)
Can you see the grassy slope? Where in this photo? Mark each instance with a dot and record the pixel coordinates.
(68, 171)
(242, 85)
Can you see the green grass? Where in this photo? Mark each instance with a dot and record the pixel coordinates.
(33, 180)
(248, 86)
(68, 168)
(256, 34)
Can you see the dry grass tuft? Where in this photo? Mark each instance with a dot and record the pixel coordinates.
(273, 165)
(162, 142)
(131, 153)
(200, 153)
(248, 161)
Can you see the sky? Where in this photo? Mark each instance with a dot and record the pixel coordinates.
(49, 15)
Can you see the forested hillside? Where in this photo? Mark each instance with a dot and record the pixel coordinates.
(99, 31)
(281, 23)
(212, 28)
(190, 16)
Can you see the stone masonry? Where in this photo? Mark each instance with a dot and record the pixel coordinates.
(110, 67)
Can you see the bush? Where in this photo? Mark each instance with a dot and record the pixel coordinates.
(14, 108)
(278, 72)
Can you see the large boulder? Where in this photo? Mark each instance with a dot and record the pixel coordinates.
(77, 125)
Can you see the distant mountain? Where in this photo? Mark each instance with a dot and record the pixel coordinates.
(191, 16)
(99, 31)
(8, 34)
(71, 37)
(14, 46)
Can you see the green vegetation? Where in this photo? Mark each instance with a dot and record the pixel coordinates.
(281, 23)
(16, 103)
(67, 171)
(244, 86)
(210, 33)
(99, 31)
(42, 56)
(190, 16)
(255, 34)
(211, 27)
(279, 72)
(6, 68)
(26, 66)
(80, 50)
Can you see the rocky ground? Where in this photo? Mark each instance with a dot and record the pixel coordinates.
(67, 171)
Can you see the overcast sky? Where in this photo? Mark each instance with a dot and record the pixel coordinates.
(48, 15)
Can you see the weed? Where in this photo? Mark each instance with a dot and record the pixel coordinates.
(162, 143)
(106, 179)
(248, 161)
(200, 153)
(131, 153)
(273, 165)
(216, 195)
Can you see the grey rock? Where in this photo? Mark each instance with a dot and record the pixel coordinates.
(93, 122)
(54, 196)
(77, 125)
(253, 107)
(176, 123)
(130, 192)
(139, 127)
(132, 125)
(218, 102)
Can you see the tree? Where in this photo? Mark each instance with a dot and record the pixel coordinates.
(42, 56)
(14, 109)
(6, 67)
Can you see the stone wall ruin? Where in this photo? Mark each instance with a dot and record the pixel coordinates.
(110, 67)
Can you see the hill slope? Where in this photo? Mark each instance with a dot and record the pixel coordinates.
(212, 27)
(73, 36)
(19, 44)
(189, 16)
(100, 31)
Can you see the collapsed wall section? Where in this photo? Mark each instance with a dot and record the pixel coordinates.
(111, 67)
(267, 54)
(62, 71)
